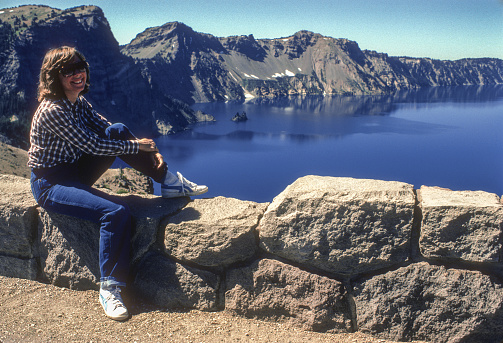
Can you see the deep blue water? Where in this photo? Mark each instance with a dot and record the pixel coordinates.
(447, 137)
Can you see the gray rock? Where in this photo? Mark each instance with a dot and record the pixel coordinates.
(204, 117)
(432, 303)
(214, 232)
(269, 289)
(335, 68)
(340, 225)
(69, 249)
(18, 217)
(462, 225)
(24, 268)
(149, 212)
(240, 117)
(168, 284)
(125, 180)
(18, 228)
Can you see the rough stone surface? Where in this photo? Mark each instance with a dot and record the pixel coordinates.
(462, 225)
(214, 232)
(148, 213)
(349, 228)
(125, 180)
(18, 217)
(269, 289)
(340, 225)
(18, 228)
(433, 303)
(18, 267)
(69, 250)
(168, 284)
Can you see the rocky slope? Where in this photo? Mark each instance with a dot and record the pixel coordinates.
(13, 161)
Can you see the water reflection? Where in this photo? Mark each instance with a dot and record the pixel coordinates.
(459, 94)
(311, 118)
(344, 128)
(333, 105)
(347, 105)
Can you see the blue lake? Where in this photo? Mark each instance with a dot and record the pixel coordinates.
(447, 137)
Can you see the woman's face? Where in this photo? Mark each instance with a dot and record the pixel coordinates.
(73, 83)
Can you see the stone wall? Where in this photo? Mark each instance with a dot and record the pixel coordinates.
(327, 254)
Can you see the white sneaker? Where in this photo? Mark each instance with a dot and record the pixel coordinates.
(181, 187)
(112, 303)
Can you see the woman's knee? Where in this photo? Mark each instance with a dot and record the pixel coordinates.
(117, 216)
(119, 131)
(122, 211)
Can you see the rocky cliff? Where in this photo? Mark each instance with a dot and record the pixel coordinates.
(149, 82)
(327, 254)
(119, 90)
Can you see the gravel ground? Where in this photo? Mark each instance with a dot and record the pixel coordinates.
(35, 312)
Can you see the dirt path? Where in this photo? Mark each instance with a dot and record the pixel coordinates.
(34, 312)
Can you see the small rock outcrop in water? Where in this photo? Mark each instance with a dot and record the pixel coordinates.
(327, 254)
(240, 117)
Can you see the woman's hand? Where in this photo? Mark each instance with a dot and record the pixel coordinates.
(158, 160)
(147, 145)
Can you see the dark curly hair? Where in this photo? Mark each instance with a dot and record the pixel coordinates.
(49, 86)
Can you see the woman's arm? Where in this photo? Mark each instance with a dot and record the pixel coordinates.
(62, 123)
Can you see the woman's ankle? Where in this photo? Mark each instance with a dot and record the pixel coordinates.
(169, 178)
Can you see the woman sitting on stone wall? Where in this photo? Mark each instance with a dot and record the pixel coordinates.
(71, 147)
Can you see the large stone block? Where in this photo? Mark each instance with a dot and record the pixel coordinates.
(69, 249)
(269, 289)
(168, 284)
(463, 225)
(18, 228)
(431, 303)
(215, 232)
(18, 217)
(340, 225)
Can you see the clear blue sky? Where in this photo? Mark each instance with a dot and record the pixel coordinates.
(440, 29)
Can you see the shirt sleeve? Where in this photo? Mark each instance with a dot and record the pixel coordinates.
(64, 125)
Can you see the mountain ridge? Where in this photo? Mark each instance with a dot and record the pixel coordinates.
(302, 64)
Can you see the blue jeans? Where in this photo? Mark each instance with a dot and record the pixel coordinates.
(66, 189)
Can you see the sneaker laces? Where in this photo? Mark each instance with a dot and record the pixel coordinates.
(185, 182)
(114, 298)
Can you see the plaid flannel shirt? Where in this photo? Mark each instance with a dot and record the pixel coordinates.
(61, 132)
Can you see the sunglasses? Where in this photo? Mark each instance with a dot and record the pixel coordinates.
(74, 68)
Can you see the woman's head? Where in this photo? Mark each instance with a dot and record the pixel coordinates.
(59, 66)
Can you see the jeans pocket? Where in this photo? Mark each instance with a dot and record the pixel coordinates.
(39, 188)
